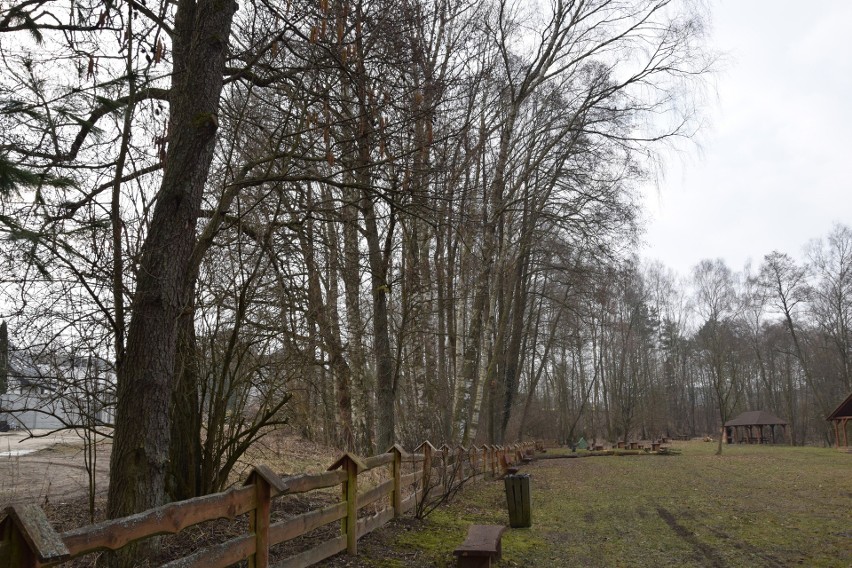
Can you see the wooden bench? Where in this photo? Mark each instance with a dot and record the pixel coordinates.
(481, 546)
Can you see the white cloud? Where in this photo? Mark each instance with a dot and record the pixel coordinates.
(773, 172)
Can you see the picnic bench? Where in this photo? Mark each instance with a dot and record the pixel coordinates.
(481, 546)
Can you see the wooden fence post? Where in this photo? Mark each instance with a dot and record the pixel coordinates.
(398, 452)
(445, 450)
(352, 465)
(427, 449)
(267, 484)
(460, 452)
(28, 539)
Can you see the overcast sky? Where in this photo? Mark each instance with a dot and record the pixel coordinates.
(775, 166)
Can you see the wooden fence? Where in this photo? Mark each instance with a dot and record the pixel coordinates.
(29, 540)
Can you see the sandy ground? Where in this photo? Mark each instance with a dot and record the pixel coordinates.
(39, 467)
(43, 467)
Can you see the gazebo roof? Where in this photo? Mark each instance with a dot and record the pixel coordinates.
(755, 418)
(845, 409)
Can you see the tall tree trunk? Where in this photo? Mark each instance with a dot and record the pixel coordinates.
(443, 364)
(518, 330)
(342, 370)
(146, 375)
(385, 375)
(492, 217)
(4, 358)
(536, 373)
(324, 316)
(184, 476)
(354, 321)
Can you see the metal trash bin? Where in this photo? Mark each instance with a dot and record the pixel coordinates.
(518, 500)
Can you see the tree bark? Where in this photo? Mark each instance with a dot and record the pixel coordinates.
(385, 376)
(4, 358)
(184, 476)
(146, 376)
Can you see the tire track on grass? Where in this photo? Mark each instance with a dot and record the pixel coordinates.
(702, 550)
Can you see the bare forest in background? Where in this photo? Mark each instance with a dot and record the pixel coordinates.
(377, 222)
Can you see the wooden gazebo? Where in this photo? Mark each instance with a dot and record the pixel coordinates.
(748, 428)
(841, 417)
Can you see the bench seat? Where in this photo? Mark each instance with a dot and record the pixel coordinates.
(481, 546)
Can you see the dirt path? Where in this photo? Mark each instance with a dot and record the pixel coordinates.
(46, 467)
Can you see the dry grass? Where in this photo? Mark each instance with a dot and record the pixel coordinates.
(287, 454)
(754, 506)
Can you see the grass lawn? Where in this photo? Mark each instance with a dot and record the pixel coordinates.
(753, 506)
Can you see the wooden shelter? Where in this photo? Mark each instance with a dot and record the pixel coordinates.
(841, 417)
(750, 428)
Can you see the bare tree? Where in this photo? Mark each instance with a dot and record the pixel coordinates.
(831, 295)
(715, 301)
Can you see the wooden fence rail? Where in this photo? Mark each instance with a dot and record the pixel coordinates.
(27, 538)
